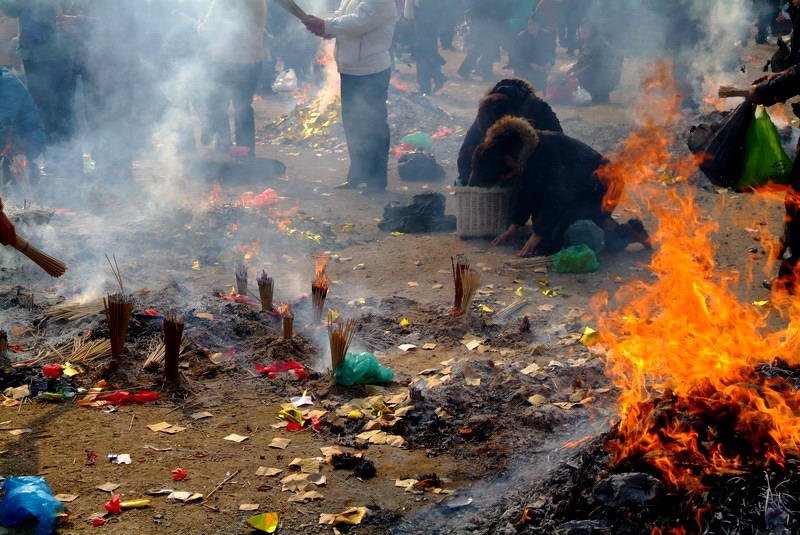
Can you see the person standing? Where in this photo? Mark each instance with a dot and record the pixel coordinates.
(363, 30)
(8, 234)
(21, 129)
(534, 54)
(47, 54)
(424, 14)
(235, 30)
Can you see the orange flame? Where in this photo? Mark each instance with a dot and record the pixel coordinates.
(321, 279)
(286, 311)
(249, 251)
(683, 348)
(284, 219)
(301, 94)
(213, 196)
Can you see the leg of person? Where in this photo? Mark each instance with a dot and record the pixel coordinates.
(351, 122)
(216, 108)
(375, 133)
(243, 88)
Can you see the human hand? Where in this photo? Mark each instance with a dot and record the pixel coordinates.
(752, 95)
(315, 25)
(508, 236)
(8, 235)
(766, 78)
(530, 245)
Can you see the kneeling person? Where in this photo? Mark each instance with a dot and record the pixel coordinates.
(554, 182)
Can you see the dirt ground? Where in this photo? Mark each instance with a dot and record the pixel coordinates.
(487, 429)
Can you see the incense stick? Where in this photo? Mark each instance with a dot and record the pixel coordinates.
(288, 321)
(340, 335)
(3, 342)
(52, 266)
(470, 279)
(460, 264)
(319, 290)
(119, 308)
(265, 289)
(173, 333)
(241, 279)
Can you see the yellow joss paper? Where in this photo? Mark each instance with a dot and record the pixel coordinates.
(266, 522)
(550, 293)
(70, 370)
(519, 292)
(590, 337)
(544, 282)
(484, 308)
(333, 315)
(761, 304)
(134, 504)
(196, 265)
(290, 414)
(398, 233)
(404, 322)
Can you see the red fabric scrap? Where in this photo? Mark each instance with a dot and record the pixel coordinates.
(180, 473)
(288, 366)
(125, 398)
(113, 506)
(53, 370)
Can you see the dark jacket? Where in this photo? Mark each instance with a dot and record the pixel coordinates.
(559, 176)
(539, 49)
(20, 125)
(528, 106)
(780, 89)
(599, 65)
(39, 39)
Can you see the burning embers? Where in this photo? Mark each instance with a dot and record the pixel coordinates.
(319, 289)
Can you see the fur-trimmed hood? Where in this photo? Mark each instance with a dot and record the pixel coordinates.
(514, 131)
(504, 153)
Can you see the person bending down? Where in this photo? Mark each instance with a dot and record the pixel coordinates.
(511, 96)
(554, 182)
(8, 235)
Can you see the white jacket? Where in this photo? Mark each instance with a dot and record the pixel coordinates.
(363, 31)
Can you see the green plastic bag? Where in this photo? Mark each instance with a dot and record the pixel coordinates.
(765, 161)
(420, 140)
(363, 369)
(575, 259)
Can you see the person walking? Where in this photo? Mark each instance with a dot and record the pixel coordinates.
(363, 30)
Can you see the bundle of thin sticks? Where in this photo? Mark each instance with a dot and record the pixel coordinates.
(3, 342)
(173, 335)
(460, 265)
(340, 335)
(293, 8)
(155, 358)
(288, 320)
(319, 291)
(265, 288)
(729, 92)
(241, 279)
(470, 279)
(52, 266)
(81, 311)
(79, 351)
(119, 308)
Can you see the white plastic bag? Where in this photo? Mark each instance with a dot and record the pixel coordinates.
(285, 82)
(581, 96)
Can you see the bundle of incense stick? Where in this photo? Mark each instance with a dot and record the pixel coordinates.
(470, 279)
(173, 334)
(3, 342)
(54, 267)
(155, 358)
(78, 351)
(319, 291)
(119, 308)
(460, 265)
(241, 279)
(288, 321)
(292, 8)
(265, 287)
(340, 336)
(728, 92)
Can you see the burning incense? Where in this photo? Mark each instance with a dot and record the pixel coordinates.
(288, 320)
(265, 287)
(319, 289)
(119, 308)
(173, 333)
(3, 342)
(340, 336)
(241, 279)
(470, 279)
(460, 266)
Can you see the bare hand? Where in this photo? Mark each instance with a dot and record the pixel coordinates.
(508, 236)
(766, 78)
(315, 25)
(530, 245)
(752, 95)
(8, 235)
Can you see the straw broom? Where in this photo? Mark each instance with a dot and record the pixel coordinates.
(119, 308)
(265, 288)
(241, 279)
(173, 334)
(340, 335)
(53, 267)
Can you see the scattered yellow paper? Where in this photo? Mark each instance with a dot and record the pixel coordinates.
(484, 308)
(761, 304)
(519, 292)
(352, 517)
(333, 315)
(196, 265)
(344, 227)
(290, 414)
(404, 322)
(590, 337)
(70, 370)
(398, 233)
(550, 293)
(544, 282)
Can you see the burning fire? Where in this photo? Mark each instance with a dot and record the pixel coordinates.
(682, 348)
(321, 279)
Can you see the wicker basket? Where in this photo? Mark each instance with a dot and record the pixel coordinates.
(482, 211)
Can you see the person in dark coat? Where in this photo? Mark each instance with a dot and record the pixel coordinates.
(599, 66)
(555, 183)
(510, 96)
(769, 90)
(534, 53)
(8, 234)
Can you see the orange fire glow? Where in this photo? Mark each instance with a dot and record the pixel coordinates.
(284, 219)
(249, 250)
(286, 311)
(321, 279)
(682, 347)
(213, 196)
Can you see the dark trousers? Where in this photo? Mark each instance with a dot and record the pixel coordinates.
(790, 267)
(429, 62)
(52, 86)
(233, 83)
(366, 127)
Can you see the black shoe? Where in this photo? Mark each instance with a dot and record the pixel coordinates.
(464, 74)
(346, 185)
(438, 83)
(638, 234)
(373, 190)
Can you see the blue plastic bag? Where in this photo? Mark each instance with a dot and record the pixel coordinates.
(30, 496)
(362, 368)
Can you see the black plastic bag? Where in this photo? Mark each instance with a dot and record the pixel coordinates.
(419, 167)
(721, 147)
(424, 214)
